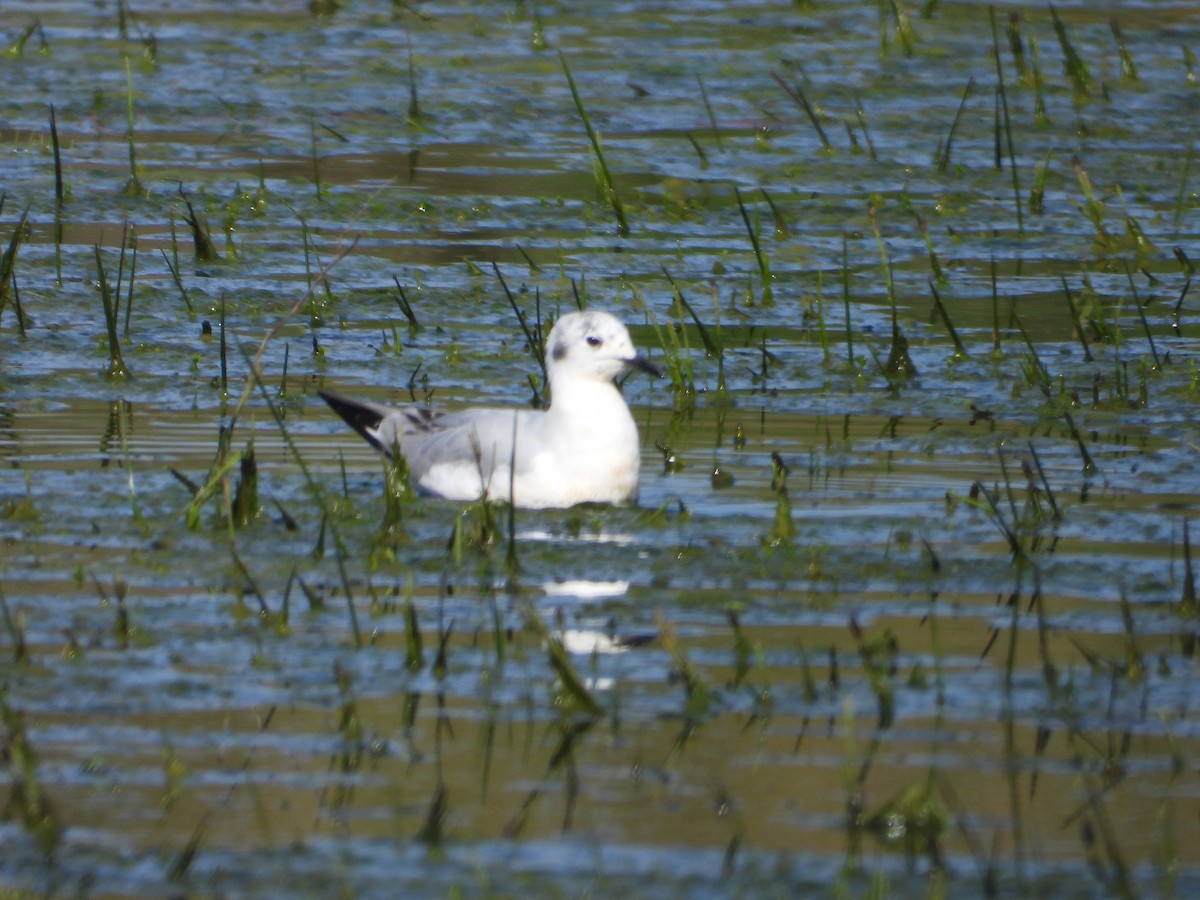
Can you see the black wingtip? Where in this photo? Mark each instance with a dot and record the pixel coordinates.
(362, 417)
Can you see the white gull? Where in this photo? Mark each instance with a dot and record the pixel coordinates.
(583, 449)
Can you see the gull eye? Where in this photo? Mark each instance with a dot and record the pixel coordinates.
(594, 341)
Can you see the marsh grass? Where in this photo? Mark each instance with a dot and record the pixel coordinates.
(535, 338)
(202, 242)
(15, 627)
(110, 303)
(797, 96)
(845, 279)
(1002, 109)
(570, 734)
(133, 187)
(697, 693)
(8, 269)
(183, 860)
(960, 351)
(405, 306)
(700, 154)
(764, 266)
(604, 181)
(17, 48)
(708, 110)
(1073, 309)
(712, 346)
(1129, 70)
(946, 148)
(1016, 46)
(783, 529)
(1139, 308)
(1077, 70)
(246, 506)
(59, 196)
(1183, 183)
(1037, 194)
(935, 264)
(743, 652)
(860, 116)
(28, 802)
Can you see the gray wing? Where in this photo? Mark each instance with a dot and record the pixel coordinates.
(478, 440)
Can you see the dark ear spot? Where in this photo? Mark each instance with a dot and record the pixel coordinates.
(559, 350)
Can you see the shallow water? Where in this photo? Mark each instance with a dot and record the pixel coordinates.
(955, 649)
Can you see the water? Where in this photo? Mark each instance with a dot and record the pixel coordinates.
(961, 652)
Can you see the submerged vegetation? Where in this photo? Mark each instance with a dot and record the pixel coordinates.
(908, 605)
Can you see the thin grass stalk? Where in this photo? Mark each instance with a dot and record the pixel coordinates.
(122, 429)
(1129, 71)
(1089, 467)
(1137, 304)
(712, 119)
(17, 307)
(354, 629)
(822, 331)
(943, 160)
(134, 185)
(846, 302)
(121, 248)
(1037, 194)
(15, 627)
(995, 309)
(861, 116)
(316, 159)
(8, 261)
(722, 388)
(58, 196)
(711, 347)
(264, 611)
(205, 249)
(180, 865)
(1037, 461)
(215, 482)
(1038, 367)
(511, 563)
(764, 267)
(187, 301)
(1012, 156)
(1179, 305)
(1087, 352)
(1076, 68)
(116, 363)
(800, 100)
(607, 187)
(534, 336)
(935, 264)
(223, 350)
(959, 349)
(1183, 180)
(782, 231)
(132, 238)
(1017, 46)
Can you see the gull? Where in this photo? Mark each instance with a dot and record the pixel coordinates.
(583, 449)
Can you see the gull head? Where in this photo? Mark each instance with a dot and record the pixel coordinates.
(592, 345)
